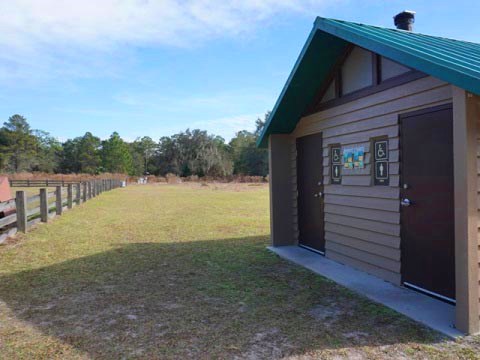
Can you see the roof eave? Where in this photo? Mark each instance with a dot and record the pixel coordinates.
(407, 55)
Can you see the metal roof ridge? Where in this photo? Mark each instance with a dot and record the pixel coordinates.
(320, 18)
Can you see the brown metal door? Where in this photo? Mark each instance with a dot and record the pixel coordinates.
(310, 189)
(427, 211)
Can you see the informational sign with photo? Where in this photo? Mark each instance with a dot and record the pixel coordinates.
(354, 158)
(359, 158)
(348, 158)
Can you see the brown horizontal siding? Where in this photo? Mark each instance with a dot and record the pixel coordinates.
(293, 164)
(362, 221)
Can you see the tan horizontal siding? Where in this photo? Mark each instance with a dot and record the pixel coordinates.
(362, 221)
(373, 259)
(367, 235)
(384, 251)
(391, 217)
(383, 192)
(406, 90)
(339, 115)
(363, 125)
(363, 202)
(363, 136)
(376, 226)
(391, 276)
(357, 180)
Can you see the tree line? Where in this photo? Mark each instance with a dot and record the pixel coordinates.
(191, 152)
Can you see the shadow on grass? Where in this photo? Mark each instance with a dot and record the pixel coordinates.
(217, 298)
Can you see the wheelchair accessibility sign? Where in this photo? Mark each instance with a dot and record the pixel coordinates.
(381, 150)
(336, 155)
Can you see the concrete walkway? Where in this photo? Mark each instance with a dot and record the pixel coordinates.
(424, 309)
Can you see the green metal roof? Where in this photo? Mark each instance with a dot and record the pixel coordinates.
(454, 61)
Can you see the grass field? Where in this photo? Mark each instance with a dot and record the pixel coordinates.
(181, 271)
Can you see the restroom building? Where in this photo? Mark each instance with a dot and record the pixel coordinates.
(374, 157)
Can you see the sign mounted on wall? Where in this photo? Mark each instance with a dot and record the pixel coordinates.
(348, 158)
(381, 170)
(381, 150)
(359, 157)
(336, 156)
(381, 173)
(354, 158)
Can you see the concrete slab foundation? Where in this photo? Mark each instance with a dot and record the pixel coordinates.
(433, 313)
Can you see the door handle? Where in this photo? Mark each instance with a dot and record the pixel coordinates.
(405, 202)
(320, 194)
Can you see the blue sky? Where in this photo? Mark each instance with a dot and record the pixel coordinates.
(155, 68)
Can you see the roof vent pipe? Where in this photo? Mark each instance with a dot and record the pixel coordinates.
(405, 20)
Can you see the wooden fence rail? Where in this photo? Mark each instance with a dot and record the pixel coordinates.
(40, 183)
(21, 213)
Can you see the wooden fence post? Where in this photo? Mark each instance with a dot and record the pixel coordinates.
(21, 204)
(58, 200)
(89, 189)
(69, 196)
(79, 190)
(93, 188)
(84, 192)
(43, 205)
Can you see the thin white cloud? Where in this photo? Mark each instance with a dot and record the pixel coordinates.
(227, 127)
(217, 102)
(96, 23)
(68, 38)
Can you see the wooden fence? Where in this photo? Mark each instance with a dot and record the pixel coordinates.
(25, 211)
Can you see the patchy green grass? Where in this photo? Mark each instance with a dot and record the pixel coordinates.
(181, 271)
